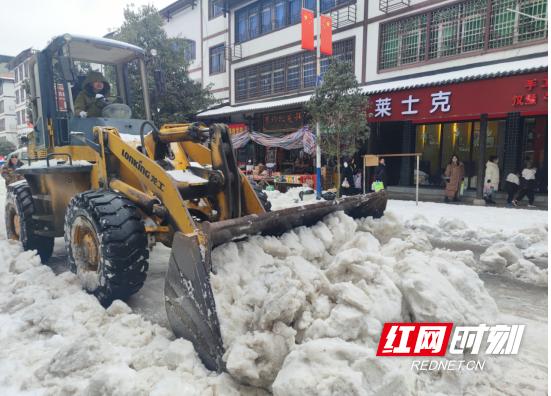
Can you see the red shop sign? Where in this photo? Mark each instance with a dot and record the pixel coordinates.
(496, 97)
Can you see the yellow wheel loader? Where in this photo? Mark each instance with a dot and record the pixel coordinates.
(113, 186)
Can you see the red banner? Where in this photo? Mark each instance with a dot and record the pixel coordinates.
(326, 37)
(496, 97)
(307, 18)
(237, 128)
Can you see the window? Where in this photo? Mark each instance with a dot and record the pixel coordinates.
(265, 16)
(216, 8)
(22, 94)
(253, 23)
(18, 117)
(1, 87)
(287, 74)
(1, 106)
(460, 28)
(294, 11)
(279, 14)
(189, 50)
(217, 60)
(3, 124)
(17, 97)
(16, 74)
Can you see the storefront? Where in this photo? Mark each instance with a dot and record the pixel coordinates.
(504, 116)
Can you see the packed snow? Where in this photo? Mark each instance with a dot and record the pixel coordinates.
(300, 314)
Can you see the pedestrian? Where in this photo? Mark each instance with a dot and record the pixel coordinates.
(527, 184)
(492, 179)
(379, 177)
(454, 173)
(512, 183)
(8, 170)
(347, 179)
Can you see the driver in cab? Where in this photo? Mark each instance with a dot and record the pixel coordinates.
(91, 100)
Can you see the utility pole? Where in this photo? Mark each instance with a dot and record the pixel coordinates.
(318, 72)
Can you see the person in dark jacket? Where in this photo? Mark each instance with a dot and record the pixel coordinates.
(8, 170)
(527, 184)
(512, 183)
(347, 179)
(380, 172)
(91, 100)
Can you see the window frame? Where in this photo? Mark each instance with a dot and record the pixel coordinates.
(288, 74)
(213, 13)
(220, 50)
(289, 19)
(461, 50)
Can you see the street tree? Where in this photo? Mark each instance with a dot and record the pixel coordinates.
(6, 147)
(175, 97)
(340, 108)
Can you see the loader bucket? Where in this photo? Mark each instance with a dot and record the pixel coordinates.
(189, 301)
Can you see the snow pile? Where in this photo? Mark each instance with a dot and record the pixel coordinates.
(290, 198)
(504, 252)
(302, 313)
(57, 339)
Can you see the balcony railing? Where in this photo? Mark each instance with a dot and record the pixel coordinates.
(344, 16)
(233, 51)
(387, 6)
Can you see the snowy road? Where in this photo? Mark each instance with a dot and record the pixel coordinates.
(44, 318)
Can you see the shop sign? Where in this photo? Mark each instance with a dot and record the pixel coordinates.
(237, 128)
(535, 90)
(466, 99)
(282, 121)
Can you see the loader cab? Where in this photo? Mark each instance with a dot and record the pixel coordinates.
(58, 75)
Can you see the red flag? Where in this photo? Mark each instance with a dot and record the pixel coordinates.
(326, 46)
(307, 18)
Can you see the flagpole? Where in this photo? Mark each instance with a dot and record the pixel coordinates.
(318, 72)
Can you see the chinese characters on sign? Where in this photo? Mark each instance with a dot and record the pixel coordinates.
(282, 121)
(237, 128)
(534, 89)
(441, 102)
(431, 339)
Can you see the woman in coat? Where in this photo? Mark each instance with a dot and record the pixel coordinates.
(8, 170)
(455, 171)
(491, 178)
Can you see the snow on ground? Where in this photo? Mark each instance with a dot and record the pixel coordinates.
(58, 340)
(300, 313)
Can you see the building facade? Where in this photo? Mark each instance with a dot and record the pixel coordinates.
(7, 102)
(20, 69)
(462, 76)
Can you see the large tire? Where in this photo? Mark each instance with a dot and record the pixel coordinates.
(262, 196)
(106, 244)
(19, 222)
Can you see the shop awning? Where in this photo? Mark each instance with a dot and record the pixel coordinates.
(493, 70)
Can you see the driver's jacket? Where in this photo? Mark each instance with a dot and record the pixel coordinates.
(86, 99)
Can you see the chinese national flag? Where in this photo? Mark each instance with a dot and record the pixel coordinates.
(307, 18)
(326, 46)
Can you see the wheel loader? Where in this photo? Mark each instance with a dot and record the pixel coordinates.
(113, 186)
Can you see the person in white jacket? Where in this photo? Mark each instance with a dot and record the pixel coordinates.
(527, 184)
(491, 179)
